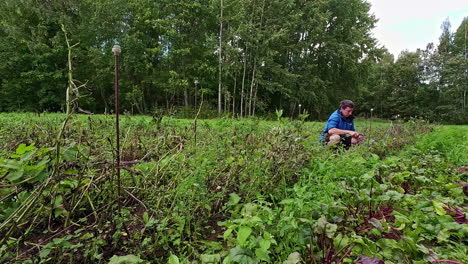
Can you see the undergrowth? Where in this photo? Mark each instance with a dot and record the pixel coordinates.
(244, 191)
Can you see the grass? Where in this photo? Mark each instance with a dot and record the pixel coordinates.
(244, 191)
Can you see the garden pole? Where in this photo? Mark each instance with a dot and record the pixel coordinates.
(370, 126)
(116, 50)
(196, 94)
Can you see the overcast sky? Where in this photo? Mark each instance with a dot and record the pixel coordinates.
(412, 24)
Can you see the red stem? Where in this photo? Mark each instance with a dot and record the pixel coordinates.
(339, 251)
(345, 254)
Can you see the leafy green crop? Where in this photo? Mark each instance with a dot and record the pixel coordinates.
(245, 191)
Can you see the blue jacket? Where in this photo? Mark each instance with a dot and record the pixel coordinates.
(336, 120)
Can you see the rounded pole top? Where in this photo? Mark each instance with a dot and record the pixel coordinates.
(196, 82)
(116, 50)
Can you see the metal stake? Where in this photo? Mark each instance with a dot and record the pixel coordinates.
(116, 50)
(196, 95)
(370, 126)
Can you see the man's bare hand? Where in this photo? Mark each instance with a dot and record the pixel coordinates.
(354, 134)
(360, 137)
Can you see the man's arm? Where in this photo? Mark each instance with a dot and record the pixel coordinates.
(335, 131)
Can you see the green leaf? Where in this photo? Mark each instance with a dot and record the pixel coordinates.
(227, 233)
(264, 244)
(11, 164)
(15, 175)
(368, 175)
(27, 156)
(22, 148)
(242, 234)
(439, 208)
(151, 223)
(287, 201)
(330, 230)
(68, 184)
(324, 227)
(70, 153)
(241, 255)
(262, 254)
(320, 225)
(423, 249)
(340, 241)
(173, 259)
(376, 223)
(44, 252)
(86, 236)
(58, 212)
(44, 161)
(128, 259)
(210, 258)
(145, 217)
(227, 259)
(234, 199)
(293, 258)
(22, 196)
(58, 200)
(443, 236)
(391, 195)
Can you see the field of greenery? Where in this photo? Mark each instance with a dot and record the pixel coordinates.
(230, 191)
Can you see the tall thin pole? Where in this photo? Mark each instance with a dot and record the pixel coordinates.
(196, 95)
(220, 59)
(116, 50)
(370, 126)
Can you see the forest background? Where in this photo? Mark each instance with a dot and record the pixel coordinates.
(240, 57)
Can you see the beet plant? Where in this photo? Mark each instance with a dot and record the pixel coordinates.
(244, 191)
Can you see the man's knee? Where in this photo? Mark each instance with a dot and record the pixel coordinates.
(334, 139)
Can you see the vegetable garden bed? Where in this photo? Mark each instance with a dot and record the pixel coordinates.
(245, 191)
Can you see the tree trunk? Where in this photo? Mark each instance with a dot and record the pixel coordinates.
(243, 85)
(255, 99)
(464, 100)
(220, 58)
(292, 108)
(226, 100)
(234, 96)
(167, 102)
(186, 97)
(252, 83)
(106, 107)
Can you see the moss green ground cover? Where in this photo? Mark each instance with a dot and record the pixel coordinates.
(230, 191)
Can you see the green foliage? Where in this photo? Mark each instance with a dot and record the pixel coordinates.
(26, 167)
(275, 54)
(429, 83)
(128, 259)
(247, 191)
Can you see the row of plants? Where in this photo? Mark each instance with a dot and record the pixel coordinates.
(207, 191)
(409, 208)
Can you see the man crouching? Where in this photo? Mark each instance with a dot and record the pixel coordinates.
(340, 127)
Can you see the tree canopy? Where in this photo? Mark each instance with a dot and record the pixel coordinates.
(248, 56)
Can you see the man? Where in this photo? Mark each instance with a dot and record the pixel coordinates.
(340, 127)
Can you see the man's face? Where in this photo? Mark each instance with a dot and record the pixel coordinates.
(347, 111)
